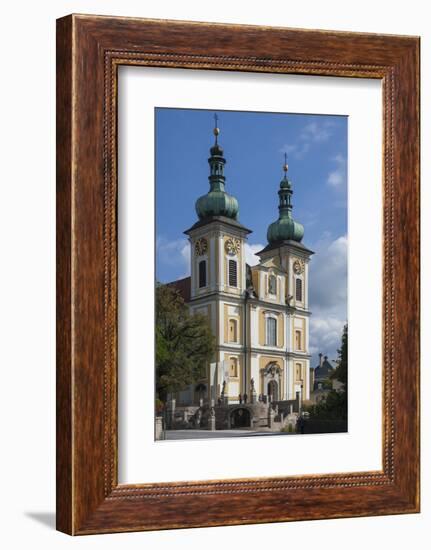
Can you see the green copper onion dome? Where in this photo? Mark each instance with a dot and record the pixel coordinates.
(285, 228)
(217, 202)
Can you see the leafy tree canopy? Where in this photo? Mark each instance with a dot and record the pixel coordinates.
(334, 407)
(184, 343)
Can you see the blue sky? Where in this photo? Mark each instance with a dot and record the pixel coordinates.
(254, 145)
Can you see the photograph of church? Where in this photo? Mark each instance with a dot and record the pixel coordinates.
(249, 370)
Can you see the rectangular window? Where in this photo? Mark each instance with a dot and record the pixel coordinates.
(233, 278)
(233, 371)
(271, 331)
(298, 371)
(298, 290)
(233, 330)
(202, 274)
(298, 340)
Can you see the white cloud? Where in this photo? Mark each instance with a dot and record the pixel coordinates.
(174, 253)
(317, 131)
(328, 274)
(337, 177)
(250, 253)
(328, 295)
(314, 132)
(325, 336)
(297, 150)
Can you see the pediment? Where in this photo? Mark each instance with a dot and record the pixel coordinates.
(271, 262)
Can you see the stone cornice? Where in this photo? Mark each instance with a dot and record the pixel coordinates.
(240, 300)
(218, 223)
(288, 246)
(263, 351)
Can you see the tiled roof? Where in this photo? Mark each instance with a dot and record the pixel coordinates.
(323, 371)
(183, 286)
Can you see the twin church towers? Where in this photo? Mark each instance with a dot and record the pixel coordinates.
(258, 314)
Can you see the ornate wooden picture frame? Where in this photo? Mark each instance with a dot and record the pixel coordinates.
(89, 51)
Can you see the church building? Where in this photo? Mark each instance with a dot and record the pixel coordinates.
(259, 314)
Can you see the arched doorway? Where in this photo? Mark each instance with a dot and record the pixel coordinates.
(272, 381)
(240, 418)
(273, 390)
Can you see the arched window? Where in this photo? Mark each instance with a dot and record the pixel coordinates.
(298, 340)
(299, 290)
(233, 330)
(233, 367)
(272, 284)
(202, 274)
(271, 331)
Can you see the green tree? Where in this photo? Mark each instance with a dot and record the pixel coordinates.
(184, 343)
(334, 407)
(341, 372)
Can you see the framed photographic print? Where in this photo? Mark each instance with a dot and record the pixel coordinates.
(250, 371)
(237, 276)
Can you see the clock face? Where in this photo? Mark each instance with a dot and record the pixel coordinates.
(298, 266)
(232, 246)
(201, 247)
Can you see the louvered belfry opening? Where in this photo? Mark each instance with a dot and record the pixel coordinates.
(233, 277)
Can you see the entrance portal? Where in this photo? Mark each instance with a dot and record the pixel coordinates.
(273, 390)
(272, 381)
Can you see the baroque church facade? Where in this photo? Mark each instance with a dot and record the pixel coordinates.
(259, 314)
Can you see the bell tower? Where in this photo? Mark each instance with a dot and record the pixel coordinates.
(286, 250)
(218, 278)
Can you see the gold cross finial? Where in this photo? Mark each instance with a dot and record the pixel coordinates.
(285, 165)
(216, 129)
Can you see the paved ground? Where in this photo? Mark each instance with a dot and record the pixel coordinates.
(205, 434)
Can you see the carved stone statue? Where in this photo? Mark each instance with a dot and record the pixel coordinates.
(198, 418)
(212, 420)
